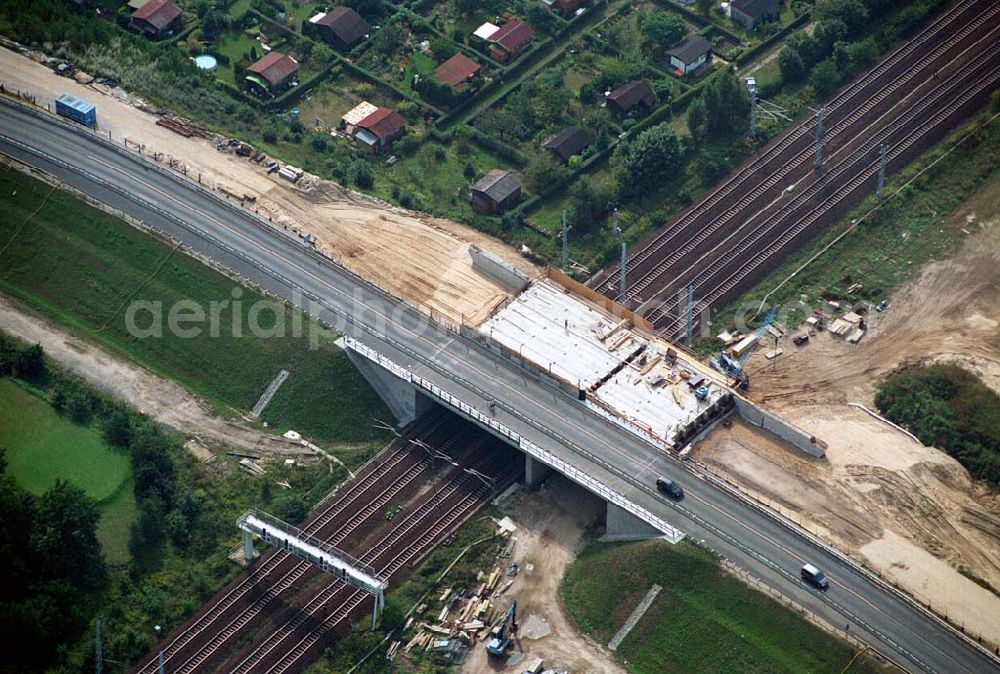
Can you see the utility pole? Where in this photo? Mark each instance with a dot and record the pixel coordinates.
(624, 264)
(818, 159)
(565, 243)
(753, 112)
(881, 173)
(616, 230)
(689, 325)
(159, 657)
(98, 651)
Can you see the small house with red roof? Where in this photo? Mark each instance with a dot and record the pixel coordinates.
(272, 73)
(508, 41)
(457, 71)
(373, 127)
(156, 19)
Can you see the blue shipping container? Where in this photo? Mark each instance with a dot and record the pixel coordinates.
(76, 109)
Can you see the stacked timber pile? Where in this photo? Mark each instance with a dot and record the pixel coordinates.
(466, 615)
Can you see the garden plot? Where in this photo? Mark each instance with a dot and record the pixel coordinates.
(338, 93)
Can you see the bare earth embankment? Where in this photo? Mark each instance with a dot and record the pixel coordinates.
(910, 511)
(414, 256)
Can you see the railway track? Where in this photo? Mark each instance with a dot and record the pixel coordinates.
(864, 138)
(723, 270)
(349, 507)
(786, 158)
(845, 133)
(452, 504)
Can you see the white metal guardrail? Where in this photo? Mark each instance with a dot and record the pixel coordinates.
(670, 532)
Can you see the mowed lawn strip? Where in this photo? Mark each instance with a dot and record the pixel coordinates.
(42, 446)
(704, 620)
(83, 267)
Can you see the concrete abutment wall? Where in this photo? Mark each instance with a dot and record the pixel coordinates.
(785, 430)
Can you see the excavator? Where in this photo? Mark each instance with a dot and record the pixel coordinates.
(503, 634)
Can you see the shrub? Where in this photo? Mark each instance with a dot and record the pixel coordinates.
(947, 406)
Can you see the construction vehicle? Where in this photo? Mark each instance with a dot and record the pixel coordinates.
(503, 634)
(733, 366)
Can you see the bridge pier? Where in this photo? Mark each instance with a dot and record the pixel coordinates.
(621, 525)
(535, 472)
(247, 547)
(405, 402)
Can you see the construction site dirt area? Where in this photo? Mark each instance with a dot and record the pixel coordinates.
(414, 256)
(550, 528)
(911, 512)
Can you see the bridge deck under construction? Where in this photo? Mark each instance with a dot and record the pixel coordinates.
(634, 378)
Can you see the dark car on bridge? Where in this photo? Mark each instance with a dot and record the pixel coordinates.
(815, 577)
(669, 487)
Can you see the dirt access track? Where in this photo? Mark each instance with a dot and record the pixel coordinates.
(162, 399)
(909, 511)
(551, 523)
(414, 256)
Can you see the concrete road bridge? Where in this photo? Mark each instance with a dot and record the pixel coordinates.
(550, 426)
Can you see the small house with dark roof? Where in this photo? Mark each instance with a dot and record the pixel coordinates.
(379, 129)
(342, 27)
(457, 71)
(510, 40)
(632, 96)
(156, 19)
(749, 13)
(567, 143)
(495, 192)
(690, 55)
(272, 73)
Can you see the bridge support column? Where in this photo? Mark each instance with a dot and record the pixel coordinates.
(622, 525)
(377, 609)
(403, 400)
(535, 472)
(247, 547)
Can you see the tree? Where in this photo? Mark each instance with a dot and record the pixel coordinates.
(663, 28)
(30, 363)
(152, 468)
(116, 426)
(543, 172)
(642, 163)
(588, 205)
(726, 103)
(853, 13)
(362, 175)
(64, 540)
(697, 119)
(80, 406)
(389, 37)
(790, 62)
(825, 78)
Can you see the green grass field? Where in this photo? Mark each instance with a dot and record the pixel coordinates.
(82, 268)
(42, 447)
(703, 620)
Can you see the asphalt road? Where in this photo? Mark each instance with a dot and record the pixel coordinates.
(768, 547)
